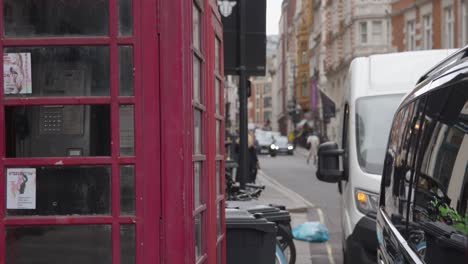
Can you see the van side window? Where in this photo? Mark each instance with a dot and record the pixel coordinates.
(398, 167)
(439, 216)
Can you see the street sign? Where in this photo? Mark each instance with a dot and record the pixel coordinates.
(254, 39)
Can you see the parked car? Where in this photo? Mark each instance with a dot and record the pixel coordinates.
(374, 87)
(423, 216)
(282, 145)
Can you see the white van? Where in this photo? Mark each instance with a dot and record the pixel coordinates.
(374, 87)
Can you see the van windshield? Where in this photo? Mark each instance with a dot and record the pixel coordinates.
(374, 117)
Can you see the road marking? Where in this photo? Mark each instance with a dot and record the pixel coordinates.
(327, 244)
(330, 253)
(294, 195)
(320, 213)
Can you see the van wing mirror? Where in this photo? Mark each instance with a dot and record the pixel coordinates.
(328, 169)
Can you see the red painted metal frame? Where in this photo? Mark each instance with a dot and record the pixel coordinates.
(220, 200)
(176, 58)
(2, 151)
(147, 156)
(163, 131)
(149, 234)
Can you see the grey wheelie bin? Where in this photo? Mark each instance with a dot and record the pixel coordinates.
(250, 239)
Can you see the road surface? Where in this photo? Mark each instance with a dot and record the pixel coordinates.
(322, 202)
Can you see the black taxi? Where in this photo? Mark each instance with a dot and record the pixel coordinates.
(423, 216)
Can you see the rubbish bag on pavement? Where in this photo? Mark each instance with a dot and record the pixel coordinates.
(311, 231)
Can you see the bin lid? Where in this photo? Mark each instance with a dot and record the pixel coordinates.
(241, 219)
(262, 209)
(271, 213)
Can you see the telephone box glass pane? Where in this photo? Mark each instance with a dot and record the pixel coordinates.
(217, 97)
(125, 17)
(219, 253)
(71, 244)
(127, 244)
(67, 190)
(127, 190)
(217, 61)
(125, 70)
(219, 210)
(22, 18)
(218, 178)
(199, 247)
(197, 172)
(197, 132)
(197, 79)
(127, 138)
(196, 27)
(57, 131)
(56, 71)
(218, 137)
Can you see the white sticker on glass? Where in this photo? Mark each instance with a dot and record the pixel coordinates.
(21, 188)
(17, 73)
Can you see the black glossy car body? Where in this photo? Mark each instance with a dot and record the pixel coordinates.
(423, 216)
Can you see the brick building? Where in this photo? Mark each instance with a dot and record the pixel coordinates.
(429, 24)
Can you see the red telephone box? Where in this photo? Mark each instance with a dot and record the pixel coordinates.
(112, 128)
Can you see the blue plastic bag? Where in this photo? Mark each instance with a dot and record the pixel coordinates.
(311, 231)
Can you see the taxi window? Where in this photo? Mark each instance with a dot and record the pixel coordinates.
(438, 226)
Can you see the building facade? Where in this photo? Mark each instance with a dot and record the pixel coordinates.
(429, 24)
(260, 103)
(350, 29)
(303, 22)
(286, 65)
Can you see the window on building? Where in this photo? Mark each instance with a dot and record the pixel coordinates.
(267, 88)
(464, 22)
(304, 57)
(267, 116)
(304, 86)
(363, 32)
(448, 28)
(266, 102)
(410, 35)
(427, 31)
(377, 32)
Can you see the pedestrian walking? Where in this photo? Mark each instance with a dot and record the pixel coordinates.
(314, 142)
(253, 161)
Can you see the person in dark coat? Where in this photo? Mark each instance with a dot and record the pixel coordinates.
(253, 161)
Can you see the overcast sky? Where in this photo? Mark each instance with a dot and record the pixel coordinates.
(273, 15)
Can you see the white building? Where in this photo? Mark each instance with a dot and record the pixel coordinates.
(342, 31)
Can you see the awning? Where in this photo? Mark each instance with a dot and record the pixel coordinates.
(328, 106)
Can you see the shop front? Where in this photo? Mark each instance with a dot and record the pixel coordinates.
(112, 124)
